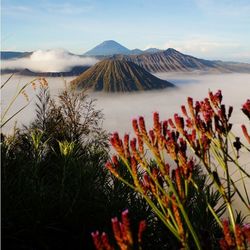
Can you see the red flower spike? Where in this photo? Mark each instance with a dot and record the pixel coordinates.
(244, 129)
(165, 127)
(183, 145)
(123, 233)
(246, 232)
(166, 201)
(162, 142)
(170, 122)
(117, 231)
(190, 166)
(126, 224)
(146, 180)
(145, 189)
(153, 188)
(140, 145)
(152, 137)
(157, 124)
(197, 107)
(189, 123)
(155, 173)
(178, 219)
(227, 234)
(134, 170)
(167, 169)
(117, 143)
(97, 241)
(116, 136)
(178, 182)
(205, 142)
(224, 245)
(191, 106)
(246, 108)
(105, 242)
(179, 123)
(142, 228)
(133, 144)
(113, 142)
(184, 111)
(126, 146)
(126, 139)
(110, 167)
(193, 135)
(142, 125)
(239, 237)
(135, 126)
(156, 119)
(218, 96)
(115, 160)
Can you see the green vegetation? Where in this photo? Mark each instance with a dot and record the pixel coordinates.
(55, 188)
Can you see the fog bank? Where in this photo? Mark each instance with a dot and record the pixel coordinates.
(120, 109)
(48, 61)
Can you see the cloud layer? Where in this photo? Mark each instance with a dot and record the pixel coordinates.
(119, 109)
(49, 61)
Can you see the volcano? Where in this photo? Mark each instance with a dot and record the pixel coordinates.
(113, 75)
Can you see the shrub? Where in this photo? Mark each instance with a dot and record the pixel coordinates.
(55, 189)
(190, 205)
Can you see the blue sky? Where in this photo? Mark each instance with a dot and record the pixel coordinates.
(214, 29)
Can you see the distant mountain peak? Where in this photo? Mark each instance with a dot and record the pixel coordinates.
(152, 50)
(109, 41)
(108, 48)
(172, 51)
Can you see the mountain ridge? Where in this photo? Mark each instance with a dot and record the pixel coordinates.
(152, 60)
(171, 60)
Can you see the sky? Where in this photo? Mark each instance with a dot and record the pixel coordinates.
(210, 29)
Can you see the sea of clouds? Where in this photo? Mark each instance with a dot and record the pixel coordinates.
(58, 60)
(120, 109)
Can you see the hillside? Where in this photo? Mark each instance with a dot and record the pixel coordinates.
(118, 76)
(7, 55)
(75, 71)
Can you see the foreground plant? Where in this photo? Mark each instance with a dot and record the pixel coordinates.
(122, 234)
(238, 239)
(33, 83)
(202, 136)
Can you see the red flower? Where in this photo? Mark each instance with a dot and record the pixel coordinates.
(142, 228)
(244, 129)
(246, 108)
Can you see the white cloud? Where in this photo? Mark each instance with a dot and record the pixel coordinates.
(49, 61)
(200, 45)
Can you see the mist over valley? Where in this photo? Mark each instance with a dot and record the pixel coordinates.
(120, 108)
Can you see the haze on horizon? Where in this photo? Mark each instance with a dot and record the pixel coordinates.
(207, 29)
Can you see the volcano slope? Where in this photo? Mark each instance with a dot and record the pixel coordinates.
(113, 75)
